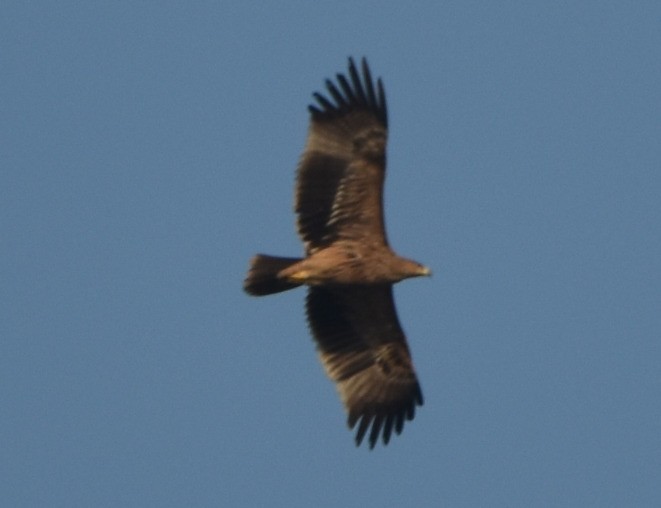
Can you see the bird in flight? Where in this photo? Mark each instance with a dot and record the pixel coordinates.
(348, 267)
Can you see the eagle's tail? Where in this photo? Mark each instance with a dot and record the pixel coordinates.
(262, 278)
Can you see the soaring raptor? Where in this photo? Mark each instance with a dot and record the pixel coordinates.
(348, 266)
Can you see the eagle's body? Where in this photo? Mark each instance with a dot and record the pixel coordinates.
(346, 262)
(349, 267)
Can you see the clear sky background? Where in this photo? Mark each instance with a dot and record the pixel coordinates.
(149, 149)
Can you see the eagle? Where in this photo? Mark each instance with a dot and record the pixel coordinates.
(348, 267)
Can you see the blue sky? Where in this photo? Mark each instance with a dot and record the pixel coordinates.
(149, 149)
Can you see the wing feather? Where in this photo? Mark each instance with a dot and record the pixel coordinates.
(346, 87)
(363, 349)
(340, 177)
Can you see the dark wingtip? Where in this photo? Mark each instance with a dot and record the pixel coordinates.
(382, 424)
(353, 93)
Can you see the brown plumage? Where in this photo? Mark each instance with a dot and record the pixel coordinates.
(348, 266)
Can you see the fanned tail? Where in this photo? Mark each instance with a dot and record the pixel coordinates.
(262, 278)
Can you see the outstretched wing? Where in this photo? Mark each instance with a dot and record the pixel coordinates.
(363, 349)
(339, 190)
